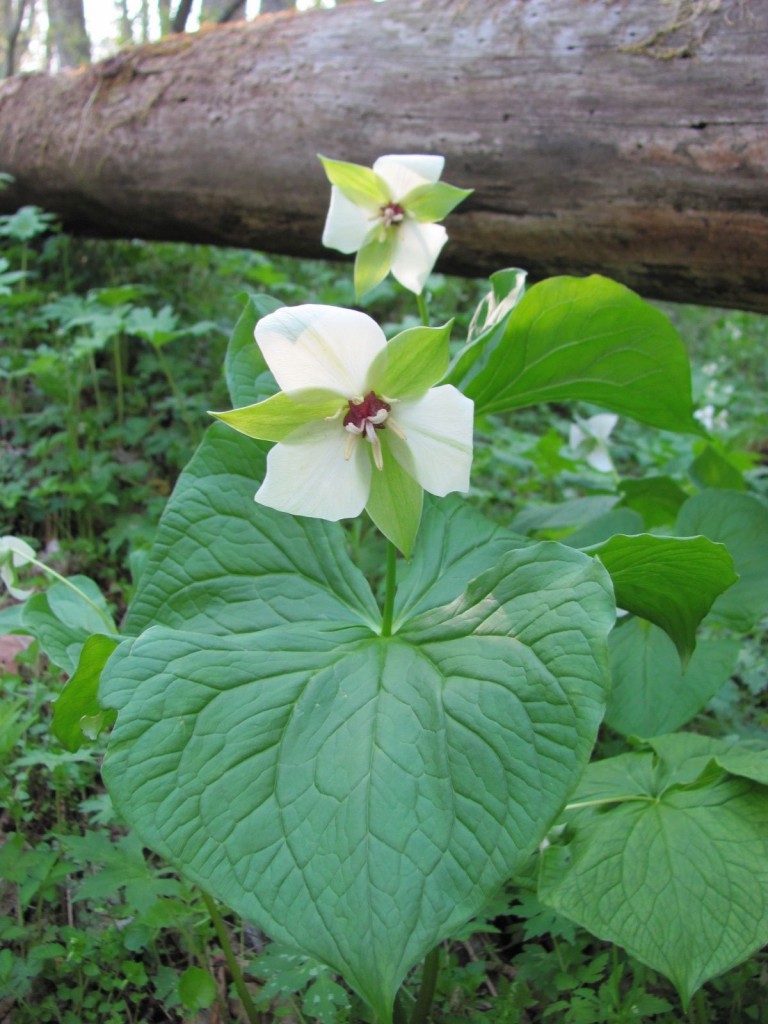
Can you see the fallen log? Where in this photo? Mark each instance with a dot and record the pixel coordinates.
(599, 135)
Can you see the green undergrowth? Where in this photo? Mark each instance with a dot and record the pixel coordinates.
(111, 357)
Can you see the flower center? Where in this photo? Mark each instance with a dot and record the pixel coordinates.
(392, 213)
(365, 418)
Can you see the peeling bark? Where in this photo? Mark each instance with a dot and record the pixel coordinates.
(599, 135)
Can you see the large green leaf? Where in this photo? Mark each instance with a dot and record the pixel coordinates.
(740, 521)
(671, 581)
(360, 797)
(651, 694)
(587, 339)
(668, 857)
(221, 563)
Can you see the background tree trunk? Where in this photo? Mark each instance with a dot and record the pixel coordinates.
(183, 11)
(164, 16)
(221, 11)
(614, 137)
(13, 14)
(68, 42)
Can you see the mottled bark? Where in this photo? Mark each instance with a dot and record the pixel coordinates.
(599, 135)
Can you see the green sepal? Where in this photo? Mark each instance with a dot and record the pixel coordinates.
(395, 502)
(433, 202)
(373, 260)
(412, 362)
(359, 184)
(78, 708)
(277, 417)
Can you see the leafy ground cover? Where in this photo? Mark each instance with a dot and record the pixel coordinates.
(111, 356)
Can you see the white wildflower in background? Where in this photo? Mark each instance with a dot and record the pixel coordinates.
(14, 555)
(589, 440)
(387, 215)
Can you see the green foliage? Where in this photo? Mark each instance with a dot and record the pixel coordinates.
(412, 774)
(665, 852)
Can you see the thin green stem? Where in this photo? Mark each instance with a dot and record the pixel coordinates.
(427, 988)
(423, 310)
(398, 1011)
(253, 1015)
(118, 361)
(700, 1002)
(390, 585)
(68, 583)
(179, 398)
(581, 804)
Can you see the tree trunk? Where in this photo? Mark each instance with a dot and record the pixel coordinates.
(13, 15)
(183, 11)
(164, 16)
(68, 42)
(217, 12)
(599, 136)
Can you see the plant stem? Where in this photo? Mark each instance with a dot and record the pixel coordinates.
(390, 589)
(427, 988)
(177, 395)
(398, 1013)
(423, 310)
(581, 804)
(118, 361)
(68, 583)
(251, 1012)
(700, 1002)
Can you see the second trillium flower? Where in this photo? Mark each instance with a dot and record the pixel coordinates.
(387, 215)
(358, 423)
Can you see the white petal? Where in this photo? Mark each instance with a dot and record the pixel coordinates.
(576, 437)
(346, 224)
(319, 347)
(405, 172)
(417, 246)
(307, 474)
(437, 451)
(599, 459)
(602, 424)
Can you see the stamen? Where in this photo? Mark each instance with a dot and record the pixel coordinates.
(367, 417)
(378, 456)
(349, 447)
(392, 213)
(396, 430)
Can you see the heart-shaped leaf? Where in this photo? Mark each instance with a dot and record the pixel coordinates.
(668, 857)
(357, 796)
(587, 339)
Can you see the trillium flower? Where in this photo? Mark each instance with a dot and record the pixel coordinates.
(358, 423)
(589, 440)
(14, 555)
(387, 216)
